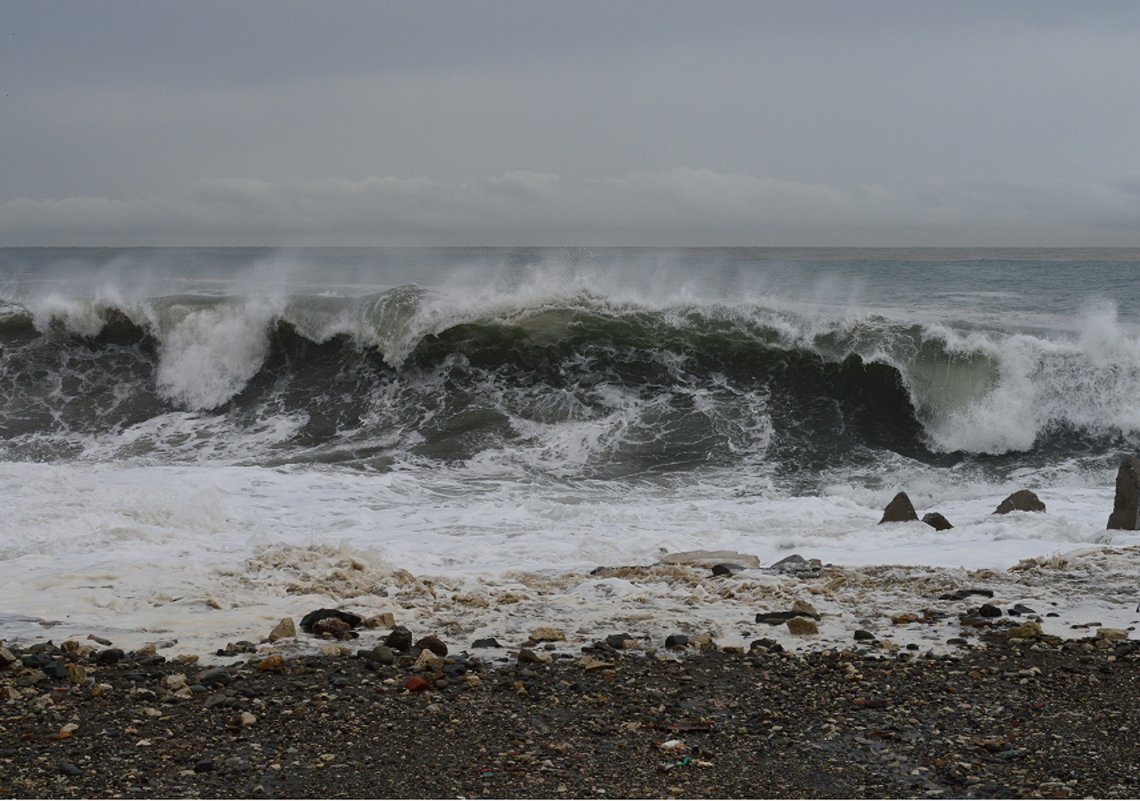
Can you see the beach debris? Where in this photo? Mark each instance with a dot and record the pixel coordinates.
(286, 629)
(1126, 504)
(899, 510)
(961, 595)
(709, 559)
(1021, 501)
(937, 521)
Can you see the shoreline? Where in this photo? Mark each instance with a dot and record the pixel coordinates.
(1012, 717)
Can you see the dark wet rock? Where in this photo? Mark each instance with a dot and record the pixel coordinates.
(796, 565)
(486, 642)
(7, 658)
(937, 521)
(1126, 504)
(311, 619)
(1017, 610)
(899, 510)
(862, 635)
(231, 649)
(204, 766)
(677, 641)
(621, 641)
(988, 610)
(1020, 501)
(433, 644)
(779, 618)
(726, 569)
(55, 670)
(70, 769)
(109, 656)
(766, 645)
(961, 595)
(400, 639)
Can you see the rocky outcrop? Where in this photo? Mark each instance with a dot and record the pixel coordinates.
(937, 521)
(1126, 506)
(899, 510)
(1020, 501)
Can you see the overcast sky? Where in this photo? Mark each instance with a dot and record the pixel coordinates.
(513, 122)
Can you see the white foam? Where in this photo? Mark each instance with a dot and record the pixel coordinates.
(207, 555)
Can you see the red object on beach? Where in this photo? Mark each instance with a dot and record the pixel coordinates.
(415, 684)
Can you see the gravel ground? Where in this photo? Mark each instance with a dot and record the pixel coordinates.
(1016, 718)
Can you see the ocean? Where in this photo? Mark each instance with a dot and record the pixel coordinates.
(195, 443)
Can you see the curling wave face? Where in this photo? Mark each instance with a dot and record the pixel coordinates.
(562, 371)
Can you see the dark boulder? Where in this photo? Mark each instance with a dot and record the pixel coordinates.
(937, 521)
(1126, 506)
(317, 615)
(899, 510)
(1020, 501)
(400, 639)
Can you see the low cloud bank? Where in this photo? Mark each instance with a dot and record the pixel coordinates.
(678, 207)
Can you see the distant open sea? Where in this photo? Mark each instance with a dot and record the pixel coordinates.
(197, 442)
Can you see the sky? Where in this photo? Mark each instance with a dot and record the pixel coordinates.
(570, 122)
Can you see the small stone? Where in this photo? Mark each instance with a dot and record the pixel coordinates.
(400, 639)
(989, 610)
(380, 655)
(100, 640)
(937, 521)
(7, 658)
(284, 630)
(1020, 501)
(333, 649)
(428, 659)
(174, 682)
(331, 626)
(529, 657)
(70, 769)
(862, 635)
(272, 664)
(433, 644)
(384, 620)
(1112, 634)
(904, 618)
(802, 626)
(676, 641)
(899, 510)
(214, 677)
(486, 642)
(415, 684)
(589, 663)
(703, 642)
(548, 634)
(726, 568)
(76, 674)
(1026, 631)
(805, 608)
(109, 657)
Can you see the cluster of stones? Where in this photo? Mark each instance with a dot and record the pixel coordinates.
(1125, 510)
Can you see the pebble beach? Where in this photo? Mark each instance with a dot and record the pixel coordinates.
(1029, 716)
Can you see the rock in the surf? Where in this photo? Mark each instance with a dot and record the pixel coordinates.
(937, 521)
(899, 510)
(317, 615)
(1020, 501)
(285, 630)
(1126, 506)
